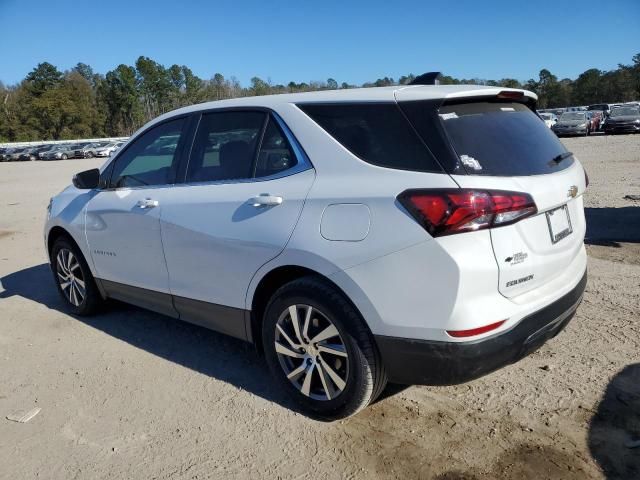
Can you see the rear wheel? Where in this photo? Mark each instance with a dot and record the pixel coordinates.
(73, 278)
(64, 156)
(320, 351)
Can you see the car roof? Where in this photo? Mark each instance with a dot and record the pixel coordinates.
(374, 94)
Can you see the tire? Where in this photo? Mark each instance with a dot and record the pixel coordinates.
(339, 378)
(89, 154)
(67, 261)
(64, 156)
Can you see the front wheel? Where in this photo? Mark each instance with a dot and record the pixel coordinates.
(320, 351)
(74, 279)
(89, 154)
(64, 156)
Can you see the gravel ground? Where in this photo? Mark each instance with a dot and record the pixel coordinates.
(132, 394)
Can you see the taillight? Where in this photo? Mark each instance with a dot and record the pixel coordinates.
(456, 210)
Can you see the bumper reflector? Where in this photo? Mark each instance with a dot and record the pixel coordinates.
(475, 331)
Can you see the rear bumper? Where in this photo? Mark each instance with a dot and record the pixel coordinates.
(426, 362)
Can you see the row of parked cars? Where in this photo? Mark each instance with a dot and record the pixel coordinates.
(603, 117)
(59, 151)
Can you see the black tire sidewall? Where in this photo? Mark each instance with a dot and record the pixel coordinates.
(92, 296)
(343, 316)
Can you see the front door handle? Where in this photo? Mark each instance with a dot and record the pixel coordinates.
(266, 200)
(147, 203)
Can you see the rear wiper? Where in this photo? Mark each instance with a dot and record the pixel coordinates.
(562, 156)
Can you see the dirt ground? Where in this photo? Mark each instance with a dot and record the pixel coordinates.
(132, 394)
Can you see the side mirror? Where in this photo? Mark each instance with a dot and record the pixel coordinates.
(87, 180)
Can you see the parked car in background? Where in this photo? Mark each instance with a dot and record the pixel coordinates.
(594, 121)
(550, 119)
(623, 120)
(14, 156)
(88, 150)
(28, 154)
(601, 109)
(58, 152)
(356, 236)
(32, 153)
(5, 153)
(573, 123)
(107, 149)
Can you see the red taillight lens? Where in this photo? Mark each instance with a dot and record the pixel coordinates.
(448, 211)
(475, 331)
(510, 95)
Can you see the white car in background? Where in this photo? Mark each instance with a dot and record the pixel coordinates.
(107, 150)
(412, 234)
(549, 119)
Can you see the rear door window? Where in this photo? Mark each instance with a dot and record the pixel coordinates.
(502, 139)
(376, 133)
(275, 154)
(225, 146)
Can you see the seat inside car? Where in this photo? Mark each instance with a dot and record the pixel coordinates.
(234, 162)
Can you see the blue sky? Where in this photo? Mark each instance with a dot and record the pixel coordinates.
(346, 40)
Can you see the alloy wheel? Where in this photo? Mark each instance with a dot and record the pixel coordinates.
(311, 352)
(70, 277)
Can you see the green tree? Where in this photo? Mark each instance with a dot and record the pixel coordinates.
(42, 78)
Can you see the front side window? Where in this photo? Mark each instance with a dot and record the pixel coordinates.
(225, 146)
(149, 160)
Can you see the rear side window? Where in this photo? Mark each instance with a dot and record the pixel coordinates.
(275, 154)
(225, 146)
(376, 133)
(502, 139)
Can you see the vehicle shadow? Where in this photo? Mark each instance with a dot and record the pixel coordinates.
(193, 347)
(610, 226)
(199, 349)
(614, 430)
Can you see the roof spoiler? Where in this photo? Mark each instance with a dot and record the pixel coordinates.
(429, 78)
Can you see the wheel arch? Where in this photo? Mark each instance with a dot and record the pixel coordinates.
(54, 234)
(271, 282)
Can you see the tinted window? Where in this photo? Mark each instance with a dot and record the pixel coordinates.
(505, 139)
(376, 133)
(275, 152)
(225, 146)
(150, 158)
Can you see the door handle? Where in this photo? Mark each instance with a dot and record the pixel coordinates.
(266, 200)
(147, 203)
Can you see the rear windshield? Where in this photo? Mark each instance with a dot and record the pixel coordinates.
(376, 133)
(502, 139)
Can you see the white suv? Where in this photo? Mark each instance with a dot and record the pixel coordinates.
(418, 234)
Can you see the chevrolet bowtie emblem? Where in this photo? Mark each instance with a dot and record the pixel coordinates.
(573, 191)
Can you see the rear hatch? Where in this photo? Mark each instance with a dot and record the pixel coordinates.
(500, 144)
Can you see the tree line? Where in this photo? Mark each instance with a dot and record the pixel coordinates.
(50, 104)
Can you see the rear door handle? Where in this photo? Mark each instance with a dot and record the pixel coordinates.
(147, 203)
(266, 200)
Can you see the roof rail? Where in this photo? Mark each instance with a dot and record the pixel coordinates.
(429, 78)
